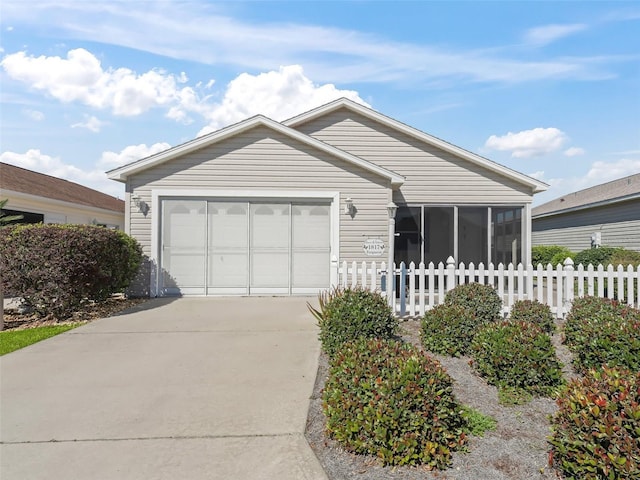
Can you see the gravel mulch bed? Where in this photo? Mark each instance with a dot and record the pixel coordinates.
(516, 450)
(13, 320)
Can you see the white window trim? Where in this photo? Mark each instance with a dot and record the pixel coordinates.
(289, 195)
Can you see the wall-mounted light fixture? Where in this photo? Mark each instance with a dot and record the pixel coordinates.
(141, 204)
(348, 206)
(391, 209)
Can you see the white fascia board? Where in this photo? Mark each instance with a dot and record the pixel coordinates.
(536, 185)
(121, 173)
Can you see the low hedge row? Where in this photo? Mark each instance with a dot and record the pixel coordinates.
(599, 331)
(389, 399)
(596, 430)
(55, 268)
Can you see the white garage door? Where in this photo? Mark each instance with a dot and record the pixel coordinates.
(252, 247)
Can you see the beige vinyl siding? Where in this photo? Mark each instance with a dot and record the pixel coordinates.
(619, 226)
(431, 175)
(262, 159)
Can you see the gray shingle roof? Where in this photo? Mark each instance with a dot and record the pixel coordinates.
(616, 190)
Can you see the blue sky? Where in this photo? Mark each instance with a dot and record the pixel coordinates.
(551, 89)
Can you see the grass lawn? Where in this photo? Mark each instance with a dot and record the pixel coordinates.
(15, 339)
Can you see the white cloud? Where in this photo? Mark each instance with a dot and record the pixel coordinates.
(328, 53)
(550, 33)
(276, 94)
(574, 151)
(110, 160)
(35, 115)
(91, 123)
(39, 162)
(528, 143)
(80, 78)
(95, 178)
(599, 172)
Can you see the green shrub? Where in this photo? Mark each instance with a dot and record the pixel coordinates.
(448, 329)
(517, 355)
(625, 257)
(546, 254)
(55, 268)
(390, 400)
(535, 312)
(595, 256)
(596, 430)
(599, 331)
(348, 314)
(482, 300)
(560, 258)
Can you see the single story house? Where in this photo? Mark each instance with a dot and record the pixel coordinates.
(607, 214)
(43, 198)
(265, 207)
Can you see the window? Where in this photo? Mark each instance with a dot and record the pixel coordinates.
(467, 233)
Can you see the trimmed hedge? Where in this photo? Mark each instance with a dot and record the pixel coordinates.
(391, 400)
(599, 331)
(595, 256)
(348, 314)
(546, 254)
(448, 329)
(55, 268)
(596, 431)
(535, 312)
(517, 355)
(482, 300)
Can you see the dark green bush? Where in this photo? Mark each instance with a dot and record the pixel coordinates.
(625, 257)
(517, 355)
(56, 268)
(348, 314)
(389, 399)
(596, 430)
(482, 300)
(560, 258)
(595, 256)
(546, 254)
(535, 312)
(599, 331)
(448, 329)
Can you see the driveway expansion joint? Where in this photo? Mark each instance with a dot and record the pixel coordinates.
(174, 437)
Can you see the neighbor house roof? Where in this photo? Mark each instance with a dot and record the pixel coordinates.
(616, 191)
(536, 185)
(123, 172)
(33, 183)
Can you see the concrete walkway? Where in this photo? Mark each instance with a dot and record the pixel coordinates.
(191, 388)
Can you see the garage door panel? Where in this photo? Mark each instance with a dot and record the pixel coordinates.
(183, 246)
(228, 247)
(311, 251)
(269, 245)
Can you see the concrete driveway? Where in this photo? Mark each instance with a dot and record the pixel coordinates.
(190, 388)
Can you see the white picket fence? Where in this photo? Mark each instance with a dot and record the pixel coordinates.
(425, 286)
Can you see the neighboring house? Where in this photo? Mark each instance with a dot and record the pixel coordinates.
(263, 207)
(43, 198)
(607, 214)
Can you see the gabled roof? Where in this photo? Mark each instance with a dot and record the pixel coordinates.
(536, 185)
(121, 173)
(621, 190)
(21, 180)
